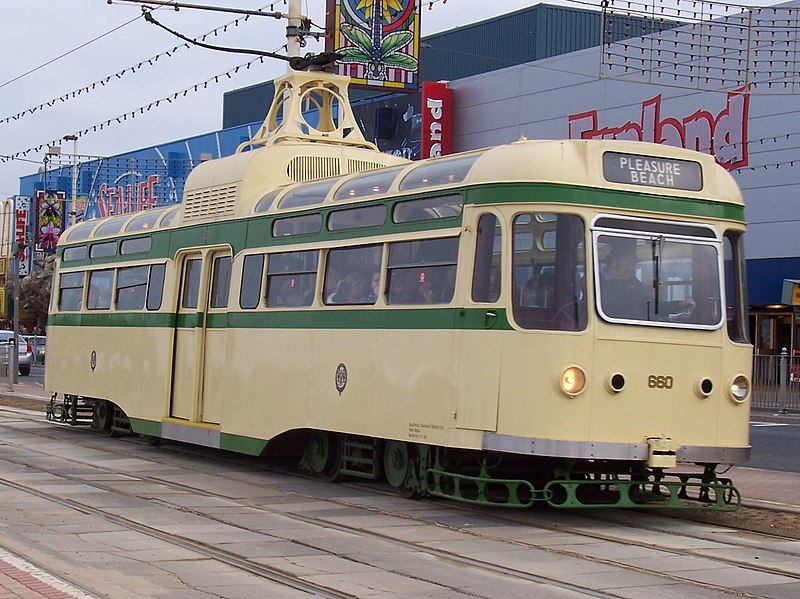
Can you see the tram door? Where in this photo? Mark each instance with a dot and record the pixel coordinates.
(200, 337)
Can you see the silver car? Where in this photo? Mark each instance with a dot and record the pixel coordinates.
(24, 351)
(38, 343)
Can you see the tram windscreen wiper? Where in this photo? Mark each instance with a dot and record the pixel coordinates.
(656, 247)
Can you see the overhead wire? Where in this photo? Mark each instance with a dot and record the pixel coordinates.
(59, 57)
(137, 111)
(109, 78)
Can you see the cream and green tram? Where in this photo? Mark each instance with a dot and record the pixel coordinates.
(558, 321)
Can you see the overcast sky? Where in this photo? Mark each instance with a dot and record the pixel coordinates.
(48, 51)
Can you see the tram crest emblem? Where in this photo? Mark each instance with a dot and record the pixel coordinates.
(341, 378)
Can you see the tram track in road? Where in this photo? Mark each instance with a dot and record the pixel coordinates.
(253, 567)
(582, 530)
(201, 549)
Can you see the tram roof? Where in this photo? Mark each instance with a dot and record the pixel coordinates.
(261, 181)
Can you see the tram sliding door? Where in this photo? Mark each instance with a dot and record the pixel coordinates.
(200, 337)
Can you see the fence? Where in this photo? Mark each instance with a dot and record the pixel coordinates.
(776, 382)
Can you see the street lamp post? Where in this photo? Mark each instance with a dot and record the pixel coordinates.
(13, 350)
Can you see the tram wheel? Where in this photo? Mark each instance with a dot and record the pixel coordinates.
(101, 416)
(323, 455)
(397, 466)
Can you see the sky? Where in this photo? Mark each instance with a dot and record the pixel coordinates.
(53, 48)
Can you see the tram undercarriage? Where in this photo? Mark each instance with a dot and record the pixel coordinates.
(468, 476)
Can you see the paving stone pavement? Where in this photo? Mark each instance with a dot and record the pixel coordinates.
(22, 580)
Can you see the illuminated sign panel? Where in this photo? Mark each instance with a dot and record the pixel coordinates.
(22, 214)
(652, 171)
(437, 119)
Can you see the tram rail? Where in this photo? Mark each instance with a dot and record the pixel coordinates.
(524, 531)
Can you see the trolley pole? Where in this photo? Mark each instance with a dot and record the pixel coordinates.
(293, 28)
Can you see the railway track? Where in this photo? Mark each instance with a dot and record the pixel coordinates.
(363, 533)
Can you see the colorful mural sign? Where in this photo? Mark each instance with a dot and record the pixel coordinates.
(378, 41)
(50, 208)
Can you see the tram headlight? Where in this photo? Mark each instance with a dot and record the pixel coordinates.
(703, 387)
(740, 389)
(572, 381)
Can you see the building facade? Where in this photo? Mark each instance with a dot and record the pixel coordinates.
(715, 78)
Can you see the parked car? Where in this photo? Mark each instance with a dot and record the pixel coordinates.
(38, 344)
(24, 351)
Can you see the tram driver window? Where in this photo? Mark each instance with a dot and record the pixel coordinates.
(655, 277)
(548, 272)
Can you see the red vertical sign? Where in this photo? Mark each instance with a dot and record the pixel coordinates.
(437, 119)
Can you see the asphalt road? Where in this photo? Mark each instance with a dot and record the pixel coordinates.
(775, 446)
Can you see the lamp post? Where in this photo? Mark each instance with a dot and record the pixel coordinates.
(13, 350)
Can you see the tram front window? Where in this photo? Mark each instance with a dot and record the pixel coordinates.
(654, 278)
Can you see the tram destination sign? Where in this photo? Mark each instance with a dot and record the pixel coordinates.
(652, 171)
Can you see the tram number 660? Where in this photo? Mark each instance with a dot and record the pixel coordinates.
(657, 381)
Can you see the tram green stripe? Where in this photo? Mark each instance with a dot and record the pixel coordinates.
(145, 427)
(113, 319)
(371, 318)
(240, 444)
(590, 196)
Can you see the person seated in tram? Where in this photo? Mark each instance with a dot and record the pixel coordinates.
(623, 295)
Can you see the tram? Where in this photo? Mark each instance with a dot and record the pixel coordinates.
(545, 321)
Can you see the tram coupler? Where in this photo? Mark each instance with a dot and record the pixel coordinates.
(662, 452)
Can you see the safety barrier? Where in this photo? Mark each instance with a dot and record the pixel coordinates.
(4, 354)
(776, 382)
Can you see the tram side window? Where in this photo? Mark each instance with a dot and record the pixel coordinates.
(70, 291)
(191, 283)
(250, 290)
(548, 272)
(422, 272)
(155, 288)
(352, 275)
(100, 286)
(291, 279)
(488, 254)
(221, 282)
(735, 288)
(131, 288)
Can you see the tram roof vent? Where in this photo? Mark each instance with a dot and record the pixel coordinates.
(301, 169)
(359, 166)
(311, 168)
(209, 203)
